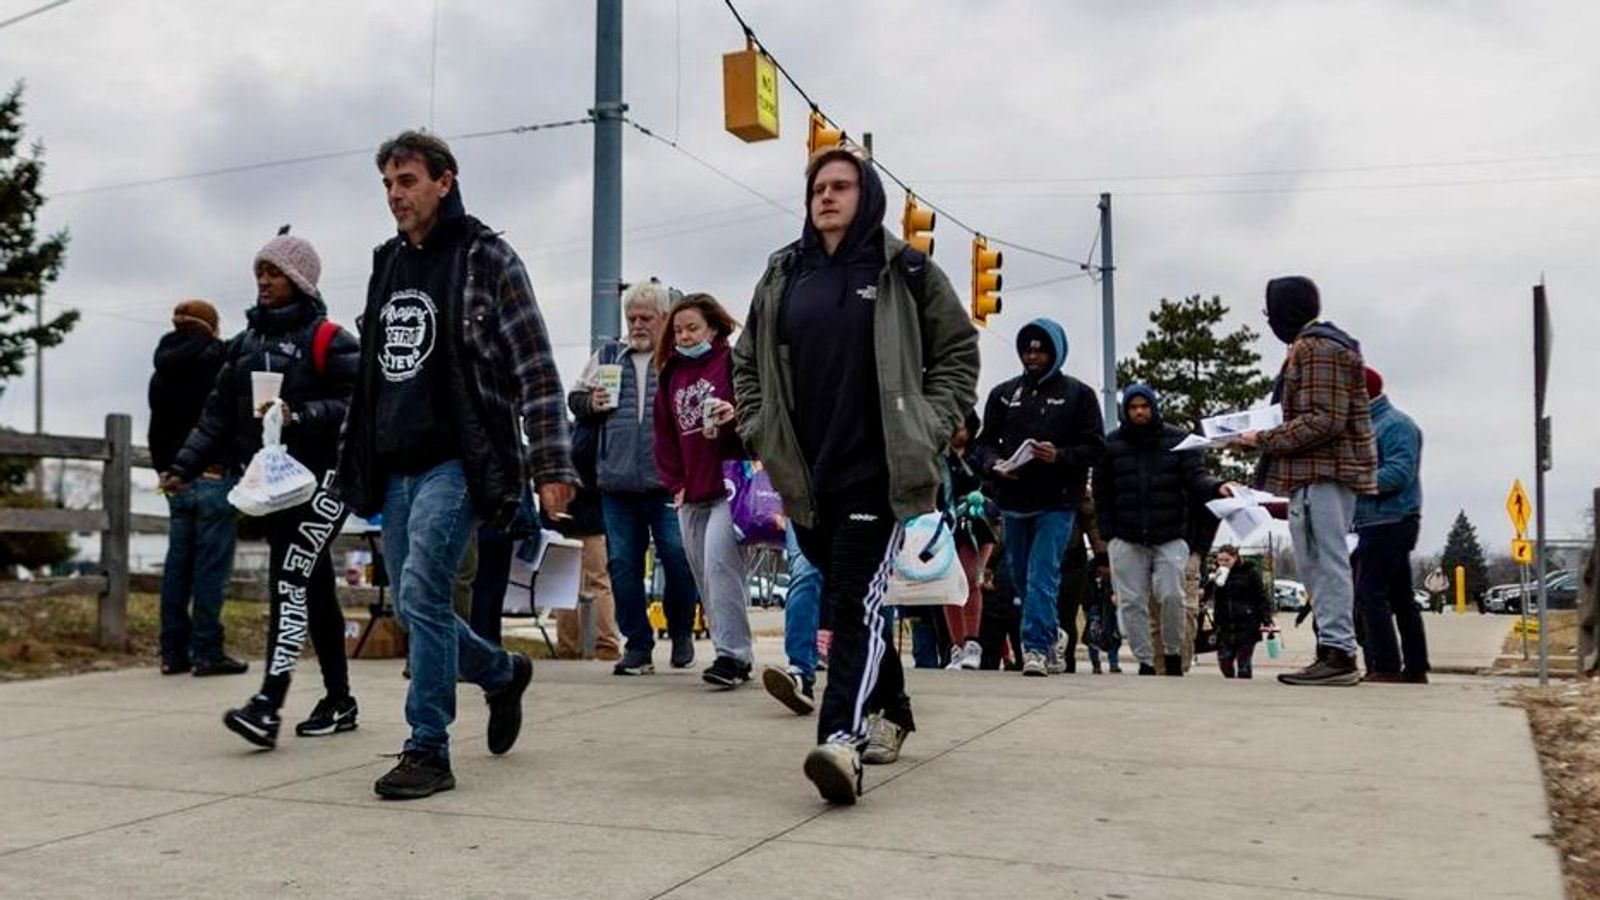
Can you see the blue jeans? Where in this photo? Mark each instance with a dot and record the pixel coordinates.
(427, 520)
(1034, 546)
(632, 520)
(801, 608)
(200, 542)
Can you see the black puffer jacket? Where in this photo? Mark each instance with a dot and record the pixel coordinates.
(1144, 492)
(1239, 606)
(186, 363)
(278, 339)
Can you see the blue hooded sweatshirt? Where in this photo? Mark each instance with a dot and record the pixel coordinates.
(1052, 407)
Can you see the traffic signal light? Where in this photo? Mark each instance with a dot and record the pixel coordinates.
(916, 226)
(985, 280)
(822, 136)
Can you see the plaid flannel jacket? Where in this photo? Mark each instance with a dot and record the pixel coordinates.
(1326, 433)
(512, 362)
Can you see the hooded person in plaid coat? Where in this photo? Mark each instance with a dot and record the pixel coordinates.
(1322, 457)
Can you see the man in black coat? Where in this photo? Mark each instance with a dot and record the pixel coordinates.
(1144, 494)
(201, 536)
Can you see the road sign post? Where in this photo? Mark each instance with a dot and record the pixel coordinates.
(1542, 460)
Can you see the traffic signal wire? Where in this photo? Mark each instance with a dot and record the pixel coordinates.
(300, 160)
(33, 12)
(754, 40)
(770, 201)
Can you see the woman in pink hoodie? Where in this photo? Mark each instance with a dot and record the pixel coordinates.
(694, 435)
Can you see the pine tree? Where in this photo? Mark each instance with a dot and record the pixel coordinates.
(27, 263)
(1197, 370)
(1462, 548)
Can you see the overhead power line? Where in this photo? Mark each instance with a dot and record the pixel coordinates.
(6, 23)
(714, 169)
(301, 160)
(755, 40)
(1300, 188)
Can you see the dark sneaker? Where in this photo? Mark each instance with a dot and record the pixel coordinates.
(682, 651)
(1115, 670)
(505, 706)
(330, 716)
(1381, 678)
(1332, 668)
(789, 688)
(635, 662)
(175, 666)
(1146, 669)
(417, 775)
(1410, 677)
(222, 665)
(1173, 663)
(726, 673)
(835, 768)
(256, 722)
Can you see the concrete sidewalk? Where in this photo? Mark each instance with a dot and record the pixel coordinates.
(126, 784)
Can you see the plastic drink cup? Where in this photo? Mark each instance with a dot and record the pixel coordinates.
(264, 388)
(609, 376)
(708, 420)
(1274, 646)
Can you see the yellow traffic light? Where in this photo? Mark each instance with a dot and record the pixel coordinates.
(985, 280)
(822, 135)
(916, 226)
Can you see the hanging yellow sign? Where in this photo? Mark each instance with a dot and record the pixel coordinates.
(750, 95)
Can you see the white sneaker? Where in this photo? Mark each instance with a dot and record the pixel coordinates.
(958, 657)
(974, 656)
(1034, 664)
(835, 768)
(884, 739)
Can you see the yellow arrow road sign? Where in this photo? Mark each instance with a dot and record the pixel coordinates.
(1522, 552)
(1518, 507)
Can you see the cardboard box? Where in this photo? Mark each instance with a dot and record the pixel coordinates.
(387, 641)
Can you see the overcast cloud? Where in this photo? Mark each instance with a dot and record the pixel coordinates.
(1013, 115)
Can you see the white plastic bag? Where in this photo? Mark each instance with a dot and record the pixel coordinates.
(926, 569)
(275, 481)
(949, 589)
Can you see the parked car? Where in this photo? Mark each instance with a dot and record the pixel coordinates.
(1288, 595)
(1561, 592)
(769, 592)
(1494, 599)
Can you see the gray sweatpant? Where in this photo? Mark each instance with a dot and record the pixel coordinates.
(721, 572)
(1140, 572)
(1319, 517)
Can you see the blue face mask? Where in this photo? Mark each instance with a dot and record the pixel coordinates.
(695, 352)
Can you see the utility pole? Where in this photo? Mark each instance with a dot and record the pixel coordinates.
(38, 390)
(1542, 462)
(605, 316)
(1108, 315)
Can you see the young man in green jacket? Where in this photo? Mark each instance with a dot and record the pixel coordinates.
(856, 364)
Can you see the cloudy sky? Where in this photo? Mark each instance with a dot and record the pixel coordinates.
(1426, 162)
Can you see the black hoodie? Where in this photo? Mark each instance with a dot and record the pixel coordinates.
(825, 328)
(415, 422)
(186, 363)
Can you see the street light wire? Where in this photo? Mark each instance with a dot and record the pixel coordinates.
(32, 12)
(770, 201)
(300, 160)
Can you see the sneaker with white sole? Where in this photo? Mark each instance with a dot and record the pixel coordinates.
(884, 740)
(835, 768)
(973, 660)
(1034, 664)
(790, 688)
(256, 722)
(330, 716)
(958, 656)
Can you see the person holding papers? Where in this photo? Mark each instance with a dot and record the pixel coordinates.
(1144, 493)
(1042, 432)
(1322, 458)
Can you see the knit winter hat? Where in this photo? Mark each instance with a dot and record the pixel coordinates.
(197, 313)
(296, 258)
(1374, 383)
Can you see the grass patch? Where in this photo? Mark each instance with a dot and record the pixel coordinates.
(1565, 719)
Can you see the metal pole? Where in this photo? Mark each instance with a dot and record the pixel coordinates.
(1544, 631)
(1108, 316)
(1522, 607)
(605, 322)
(38, 391)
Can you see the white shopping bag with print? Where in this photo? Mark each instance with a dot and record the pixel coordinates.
(275, 481)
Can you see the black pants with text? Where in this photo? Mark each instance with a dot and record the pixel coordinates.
(853, 543)
(303, 594)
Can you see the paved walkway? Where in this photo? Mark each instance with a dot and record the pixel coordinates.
(125, 784)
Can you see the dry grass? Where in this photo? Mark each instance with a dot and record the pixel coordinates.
(1566, 730)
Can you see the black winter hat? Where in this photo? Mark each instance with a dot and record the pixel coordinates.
(1292, 303)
